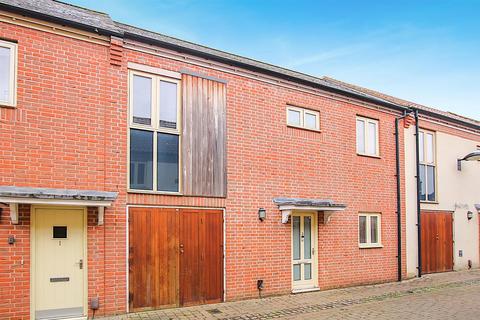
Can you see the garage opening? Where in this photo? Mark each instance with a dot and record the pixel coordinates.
(175, 257)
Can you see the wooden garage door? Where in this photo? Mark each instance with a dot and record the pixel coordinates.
(437, 241)
(175, 257)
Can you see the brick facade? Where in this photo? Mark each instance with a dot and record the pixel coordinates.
(69, 130)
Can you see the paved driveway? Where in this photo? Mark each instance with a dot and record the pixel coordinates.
(453, 295)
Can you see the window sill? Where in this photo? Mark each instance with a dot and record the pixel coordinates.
(7, 105)
(303, 128)
(429, 202)
(370, 246)
(165, 193)
(368, 155)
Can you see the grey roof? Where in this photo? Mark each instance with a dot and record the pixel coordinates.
(63, 194)
(69, 12)
(229, 57)
(299, 202)
(102, 23)
(408, 104)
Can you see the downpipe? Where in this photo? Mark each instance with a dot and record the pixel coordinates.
(399, 202)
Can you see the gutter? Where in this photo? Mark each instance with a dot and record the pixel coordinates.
(64, 22)
(449, 119)
(250, 67)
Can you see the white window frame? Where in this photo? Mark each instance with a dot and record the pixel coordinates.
(155, 126)
(303, 112)
(12, 95)
(426, 163)
(366, 135)
(369, 243)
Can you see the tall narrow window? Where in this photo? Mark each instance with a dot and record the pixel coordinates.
(8, 82)
(154, 133)
(427, 166)
(367, 136)
(369, 230)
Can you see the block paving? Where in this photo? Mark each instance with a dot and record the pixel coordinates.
(452, 295)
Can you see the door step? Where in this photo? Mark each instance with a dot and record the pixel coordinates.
(294, 291)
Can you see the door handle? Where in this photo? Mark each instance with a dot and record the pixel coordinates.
(313, 251)
(80, 264)
(181, 248)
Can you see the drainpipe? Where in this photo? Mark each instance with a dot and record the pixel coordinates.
(399, 203)
(419, 222)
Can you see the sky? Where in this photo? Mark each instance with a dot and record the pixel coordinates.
(424, 51)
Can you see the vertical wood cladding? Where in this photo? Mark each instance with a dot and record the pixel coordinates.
(204, 137)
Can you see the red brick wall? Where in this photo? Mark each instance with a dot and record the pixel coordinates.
(15, 265)
(266, 159)
(70, 131)
(67, 132)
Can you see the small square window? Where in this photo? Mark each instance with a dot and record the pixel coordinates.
(294, 117)
(303, 118)
(59, 232)
(369, 230)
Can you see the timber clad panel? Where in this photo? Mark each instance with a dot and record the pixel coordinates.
(175, 257)
(437, 241)
(203, 137)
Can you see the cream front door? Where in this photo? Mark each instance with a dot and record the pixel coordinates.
(304, 255)
(59, 263)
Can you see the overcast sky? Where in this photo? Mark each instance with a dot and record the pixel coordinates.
(424, 51)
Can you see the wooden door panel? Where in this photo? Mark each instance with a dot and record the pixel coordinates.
(153, 263)
(175, 257)
(189, 257)
(213, 257)
(201, 262)
(437, 241)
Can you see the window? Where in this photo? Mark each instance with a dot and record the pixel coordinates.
(303, 118)
(369, 230)
(8, 64)
(154, 132)
(59, 232)
(367, 136)
(427, 172)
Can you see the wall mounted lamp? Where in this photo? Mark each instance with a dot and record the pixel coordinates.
(473, 156)
(262, 214)
(469, 215)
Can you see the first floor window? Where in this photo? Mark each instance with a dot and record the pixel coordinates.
(154, 155)
(303, 118)
(427, 165)
(367, 136)
(8, 57)
(369, 230)
(154, 132)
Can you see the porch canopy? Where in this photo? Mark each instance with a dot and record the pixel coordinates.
(327, 207)
(13, 196)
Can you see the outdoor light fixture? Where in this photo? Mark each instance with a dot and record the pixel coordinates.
(262, 214)
(474, 156)
(469, 215)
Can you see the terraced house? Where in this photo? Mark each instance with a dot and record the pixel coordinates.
(139, 171)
